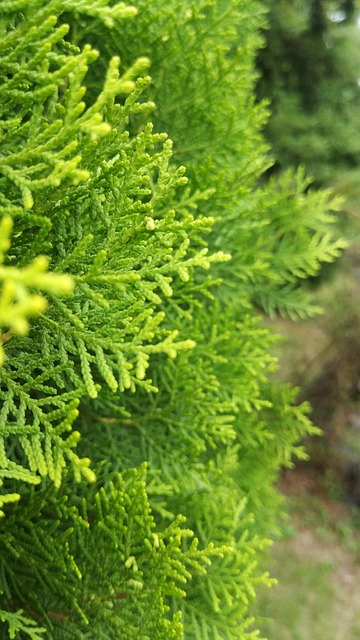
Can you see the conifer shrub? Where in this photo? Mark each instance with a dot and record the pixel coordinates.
(141, 431)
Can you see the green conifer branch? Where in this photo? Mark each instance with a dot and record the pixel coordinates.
(18, 624)
(17, 304)
(122, 359)
(150, 566)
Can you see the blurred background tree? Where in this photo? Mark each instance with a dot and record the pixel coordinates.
(310, 73)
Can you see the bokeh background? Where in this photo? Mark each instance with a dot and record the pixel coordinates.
(309, 70)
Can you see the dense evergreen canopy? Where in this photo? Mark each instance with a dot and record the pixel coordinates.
(141, 434)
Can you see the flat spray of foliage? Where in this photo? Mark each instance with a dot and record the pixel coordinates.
(140, 434)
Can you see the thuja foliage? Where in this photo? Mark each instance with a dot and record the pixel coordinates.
(141, 433)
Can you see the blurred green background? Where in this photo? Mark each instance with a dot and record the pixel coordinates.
(309, 71)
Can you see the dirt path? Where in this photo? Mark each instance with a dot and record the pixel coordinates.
(317, 565)
(307, 546)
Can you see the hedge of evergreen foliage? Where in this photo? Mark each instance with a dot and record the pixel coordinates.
(141, 433)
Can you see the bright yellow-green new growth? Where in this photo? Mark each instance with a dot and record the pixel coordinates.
(17, 302)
